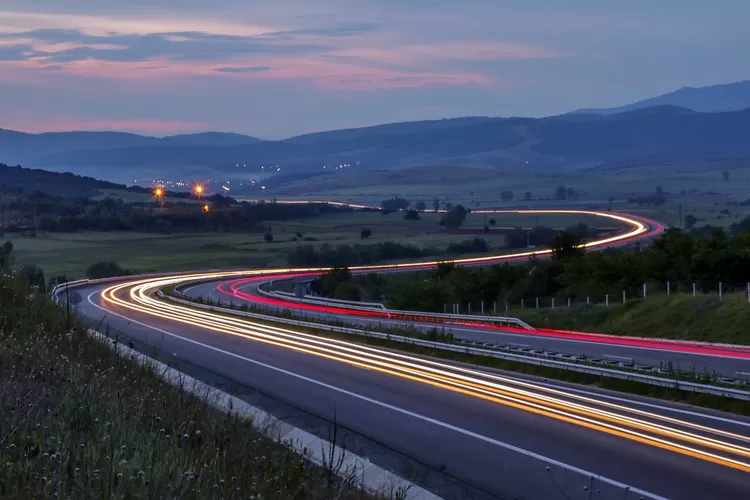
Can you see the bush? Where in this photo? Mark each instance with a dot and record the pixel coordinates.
(105, 270)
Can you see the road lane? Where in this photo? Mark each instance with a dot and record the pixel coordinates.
(470, 438)
(726, 363)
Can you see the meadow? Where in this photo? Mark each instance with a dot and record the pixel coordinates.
(70, 254)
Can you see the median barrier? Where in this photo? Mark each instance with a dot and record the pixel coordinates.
(602, 372)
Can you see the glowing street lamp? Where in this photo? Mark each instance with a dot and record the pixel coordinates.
(206, 208)
(198, 189)
(158, 193)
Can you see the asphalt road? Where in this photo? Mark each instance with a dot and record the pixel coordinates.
(473, 434)
(724, 364)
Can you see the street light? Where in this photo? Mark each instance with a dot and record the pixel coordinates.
(206, 208)
(198, 189)
(158, 192)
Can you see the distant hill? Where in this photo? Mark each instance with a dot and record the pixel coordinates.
(65, 185)
(716, 98)
(572, 142)
(20, 147)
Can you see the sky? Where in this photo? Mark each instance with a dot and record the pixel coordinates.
(278, 68)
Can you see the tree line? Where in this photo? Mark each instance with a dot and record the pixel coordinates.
(680, 258)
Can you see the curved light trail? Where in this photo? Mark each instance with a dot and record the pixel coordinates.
(669, 433)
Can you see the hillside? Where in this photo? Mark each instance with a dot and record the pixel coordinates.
(60, 184)
(569, 142)
(21, 147)
(712, 99)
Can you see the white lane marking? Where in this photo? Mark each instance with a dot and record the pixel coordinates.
(403, 411)
(616, 357)
(630, 401)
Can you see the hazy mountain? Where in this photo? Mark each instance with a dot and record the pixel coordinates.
(716, 98)
(572, 141)
(20, 147)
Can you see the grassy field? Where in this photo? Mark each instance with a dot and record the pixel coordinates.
(704, 318)
(70, 254)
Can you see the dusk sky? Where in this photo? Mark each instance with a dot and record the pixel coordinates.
(276, 68)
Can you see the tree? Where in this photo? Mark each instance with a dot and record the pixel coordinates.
(572, 193)
(448, 205)
(7, 247)
(436, 204)
(105, 270)
(527, 196)
(421, 206)
(725, 175)
(268, 237)
(454, 218)
(493, 222)
(690, 221)
(34, 275)
(566, 245)
(394, 204)
(411, 215)
(561, 193)
(506, 195)
(659, 191)
(611, 199)
(365, 233)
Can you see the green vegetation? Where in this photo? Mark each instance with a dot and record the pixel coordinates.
(680, 259)
(79, 421)
(704, 318)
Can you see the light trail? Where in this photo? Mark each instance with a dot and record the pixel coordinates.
(668, 433)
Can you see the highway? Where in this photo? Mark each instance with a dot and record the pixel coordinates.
(506, 436)
(462, 431)
(727, 361)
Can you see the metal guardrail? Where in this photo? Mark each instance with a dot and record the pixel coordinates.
(592, 370)
(419, 315)
(315, 300)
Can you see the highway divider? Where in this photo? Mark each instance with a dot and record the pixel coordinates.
(549, 363)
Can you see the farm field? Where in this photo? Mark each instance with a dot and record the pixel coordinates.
(70, 254)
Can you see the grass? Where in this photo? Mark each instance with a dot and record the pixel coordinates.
(71, 254)
(680, 316)
(79, 421)
(737, 406)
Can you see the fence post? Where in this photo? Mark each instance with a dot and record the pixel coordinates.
(445, 308)
(644, 290)
(537, 302)
(494, 307)
(553, 302)
(506, 307)
(748, 292)
(693, 290)
(587, 300)
(719, 290)
(482, 307)
(606, 299)
(469, 307)
(624, 299)
(668, 290)
(522, 303)
(568, 301)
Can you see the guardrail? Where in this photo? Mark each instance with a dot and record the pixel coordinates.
(420, 316)
(592, 370)
(324, 301)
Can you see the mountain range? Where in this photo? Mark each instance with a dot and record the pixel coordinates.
(644, 132)
(712, 99)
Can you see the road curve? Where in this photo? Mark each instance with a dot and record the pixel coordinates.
(507, 436)
(727, 361)
(504, 436)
